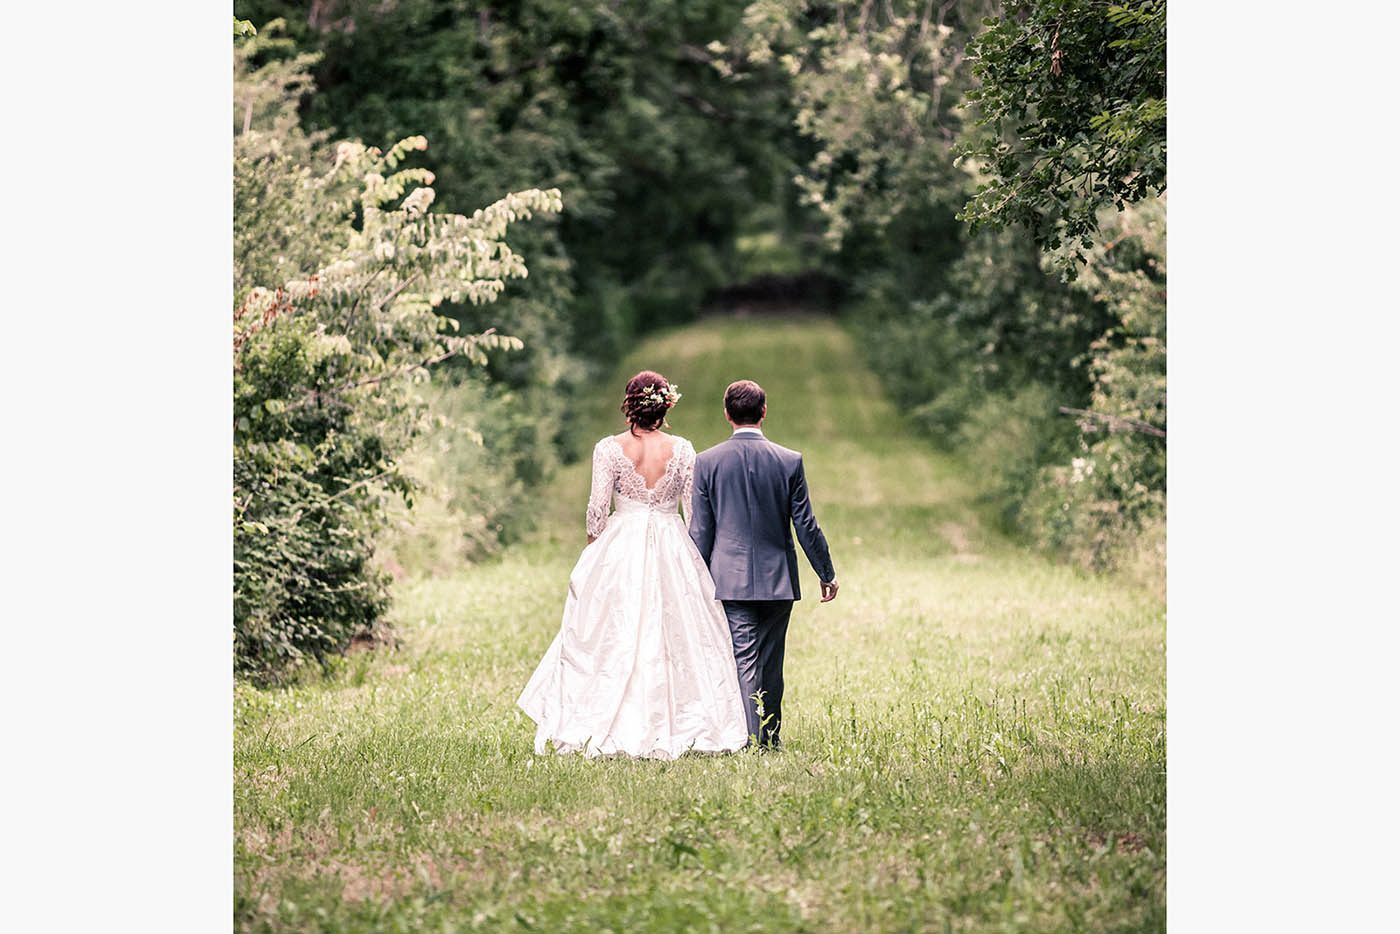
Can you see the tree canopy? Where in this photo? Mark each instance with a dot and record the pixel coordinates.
(983, 181)
(1073, 94)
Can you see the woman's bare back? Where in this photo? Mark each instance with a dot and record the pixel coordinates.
(649, 452)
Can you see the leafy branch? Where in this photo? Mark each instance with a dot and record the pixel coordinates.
(1072, 113)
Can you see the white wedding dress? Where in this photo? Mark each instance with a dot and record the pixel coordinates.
(643, 665)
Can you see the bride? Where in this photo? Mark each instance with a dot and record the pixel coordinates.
(643, 664)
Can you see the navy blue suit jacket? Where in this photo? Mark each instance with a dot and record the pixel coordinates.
(750, 496)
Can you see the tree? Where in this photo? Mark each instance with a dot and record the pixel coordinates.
(876, 88)
(340, 267)
(1072, 99)
(615, 104)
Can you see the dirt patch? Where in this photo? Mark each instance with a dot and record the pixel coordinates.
(360, 883)
(1129, 842)
(956, 537)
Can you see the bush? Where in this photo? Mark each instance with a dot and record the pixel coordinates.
(976, 330)
(1010, 437)
(985, 365)
(1106, 505)
(340, 269)
(303, 537)
(487, 448)
(1116, 488)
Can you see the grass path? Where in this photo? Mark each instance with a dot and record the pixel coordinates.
(975, 736)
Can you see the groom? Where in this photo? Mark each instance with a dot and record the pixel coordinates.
(747, 491)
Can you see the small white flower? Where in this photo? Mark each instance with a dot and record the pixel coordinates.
(418, 201)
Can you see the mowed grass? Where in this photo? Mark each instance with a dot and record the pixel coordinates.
(975, 736)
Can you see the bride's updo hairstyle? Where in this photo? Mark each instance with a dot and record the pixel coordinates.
(647, 400)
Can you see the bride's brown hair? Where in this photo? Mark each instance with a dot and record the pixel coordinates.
(646, 401)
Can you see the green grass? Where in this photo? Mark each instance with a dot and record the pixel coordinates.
(975, 736)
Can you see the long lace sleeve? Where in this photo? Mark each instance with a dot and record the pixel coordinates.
(687, 482)
(600, 497)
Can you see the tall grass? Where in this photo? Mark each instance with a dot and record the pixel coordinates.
(975, 736)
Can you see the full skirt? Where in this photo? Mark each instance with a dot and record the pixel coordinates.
(643, 664)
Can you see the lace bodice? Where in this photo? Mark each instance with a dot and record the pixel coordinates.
(615, 474)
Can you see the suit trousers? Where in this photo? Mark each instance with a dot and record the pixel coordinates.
(759, 631)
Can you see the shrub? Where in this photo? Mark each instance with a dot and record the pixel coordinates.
(340, 269)
(1109, 501)
(1010, 437)
(986, 365)
(976, 330)
(486, 449)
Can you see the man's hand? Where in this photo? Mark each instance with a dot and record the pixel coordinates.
(829, 589)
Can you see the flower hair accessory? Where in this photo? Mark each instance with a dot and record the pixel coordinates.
(667, 395)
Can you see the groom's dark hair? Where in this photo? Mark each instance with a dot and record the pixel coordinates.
(744, 401)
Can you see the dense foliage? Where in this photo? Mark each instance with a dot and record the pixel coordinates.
(983, 180)
(677, 183)
(1113, 492)
(615, 104)
(1075, 93)
(339, 269)
(975, 327)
